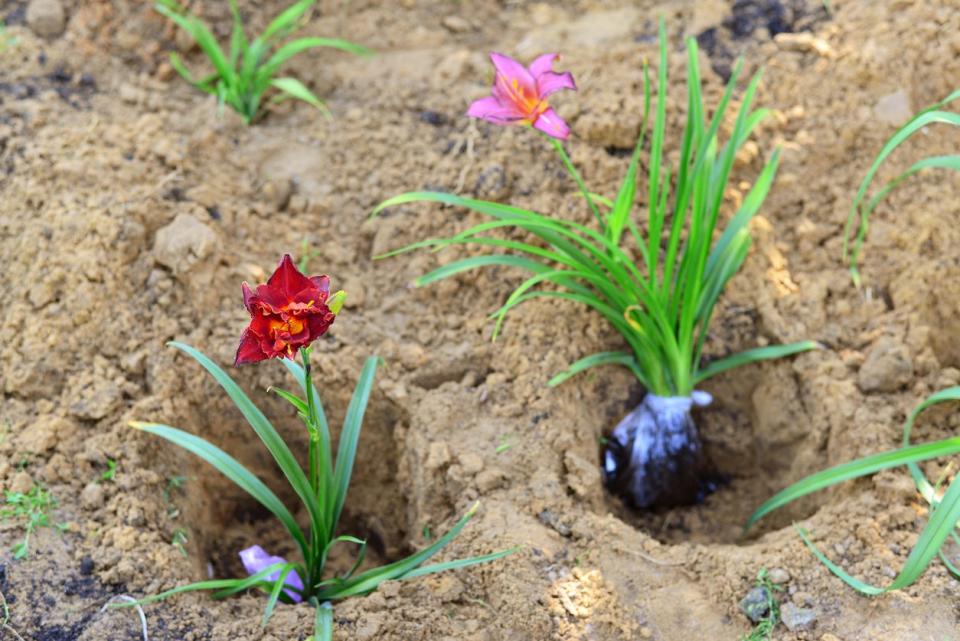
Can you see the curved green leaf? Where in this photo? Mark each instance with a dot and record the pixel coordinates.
(267, 433)
(233, 470)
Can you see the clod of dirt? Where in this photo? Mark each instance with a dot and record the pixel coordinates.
(756, 604)
(797, 618)
(183, 243)
(92, 496)
(894, 108)
(778, 576)
(888, 367)
(46, 18)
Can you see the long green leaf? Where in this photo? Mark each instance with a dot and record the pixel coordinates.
(275, 593)
(479, 261)
(918, 122)
(287, 20)
(233, 470)
(267, 433)
(855, 469)
(296, 89)
(350, 437)
(201, 34)
(752, 356)
(601, 358)
(233, 585)
(424, 570)
(369, 580)
(942, 521)
(294, 47)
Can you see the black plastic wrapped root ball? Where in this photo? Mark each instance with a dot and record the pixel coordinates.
(654, 457)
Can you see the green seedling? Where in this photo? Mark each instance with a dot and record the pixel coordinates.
(242, 76)
(179, 540)
(32, 509)
(763, 630)
(110, 473)
(174, 484)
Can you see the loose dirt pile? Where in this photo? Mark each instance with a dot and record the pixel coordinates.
(131, 212)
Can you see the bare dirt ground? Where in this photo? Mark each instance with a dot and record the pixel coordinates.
(131, 212)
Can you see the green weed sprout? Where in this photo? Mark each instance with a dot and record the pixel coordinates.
(657, 286)
(855, 229)
(31, 507)
(944, 509)
(763, 630)
(242, 77)
(288, 313)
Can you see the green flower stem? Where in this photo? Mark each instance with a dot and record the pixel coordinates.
(577, 178)
(313, 456)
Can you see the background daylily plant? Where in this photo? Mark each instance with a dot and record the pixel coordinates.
(241, 77)
(656, 281)
(287, 314)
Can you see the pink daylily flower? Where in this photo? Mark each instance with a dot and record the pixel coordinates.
(255, 559)
(519, 94)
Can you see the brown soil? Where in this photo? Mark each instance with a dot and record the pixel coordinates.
(131, 212)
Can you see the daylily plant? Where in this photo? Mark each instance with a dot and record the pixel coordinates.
(248, 69)
(659, 291)
(287, 314)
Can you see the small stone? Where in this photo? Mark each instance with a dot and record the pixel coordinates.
(886, 368)
(756, 604)
(39, 437)
(646, 633)
(547, 517)
(489, 480)
(437, 456)
(796, 618)
(471, 463)
(894, 108)
(92, 496)
(277, 192)
(46, 18)
(492, 183)
(456, 24)
(183, 243)
(356, 296)
(778, 576)
(21, 483)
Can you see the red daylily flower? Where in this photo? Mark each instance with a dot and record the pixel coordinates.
(289, 312)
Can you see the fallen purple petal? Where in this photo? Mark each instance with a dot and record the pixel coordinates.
(256, 559)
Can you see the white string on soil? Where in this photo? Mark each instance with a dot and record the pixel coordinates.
(129, 599)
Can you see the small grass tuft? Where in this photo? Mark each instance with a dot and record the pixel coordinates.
(32, 508)
(763, 630)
